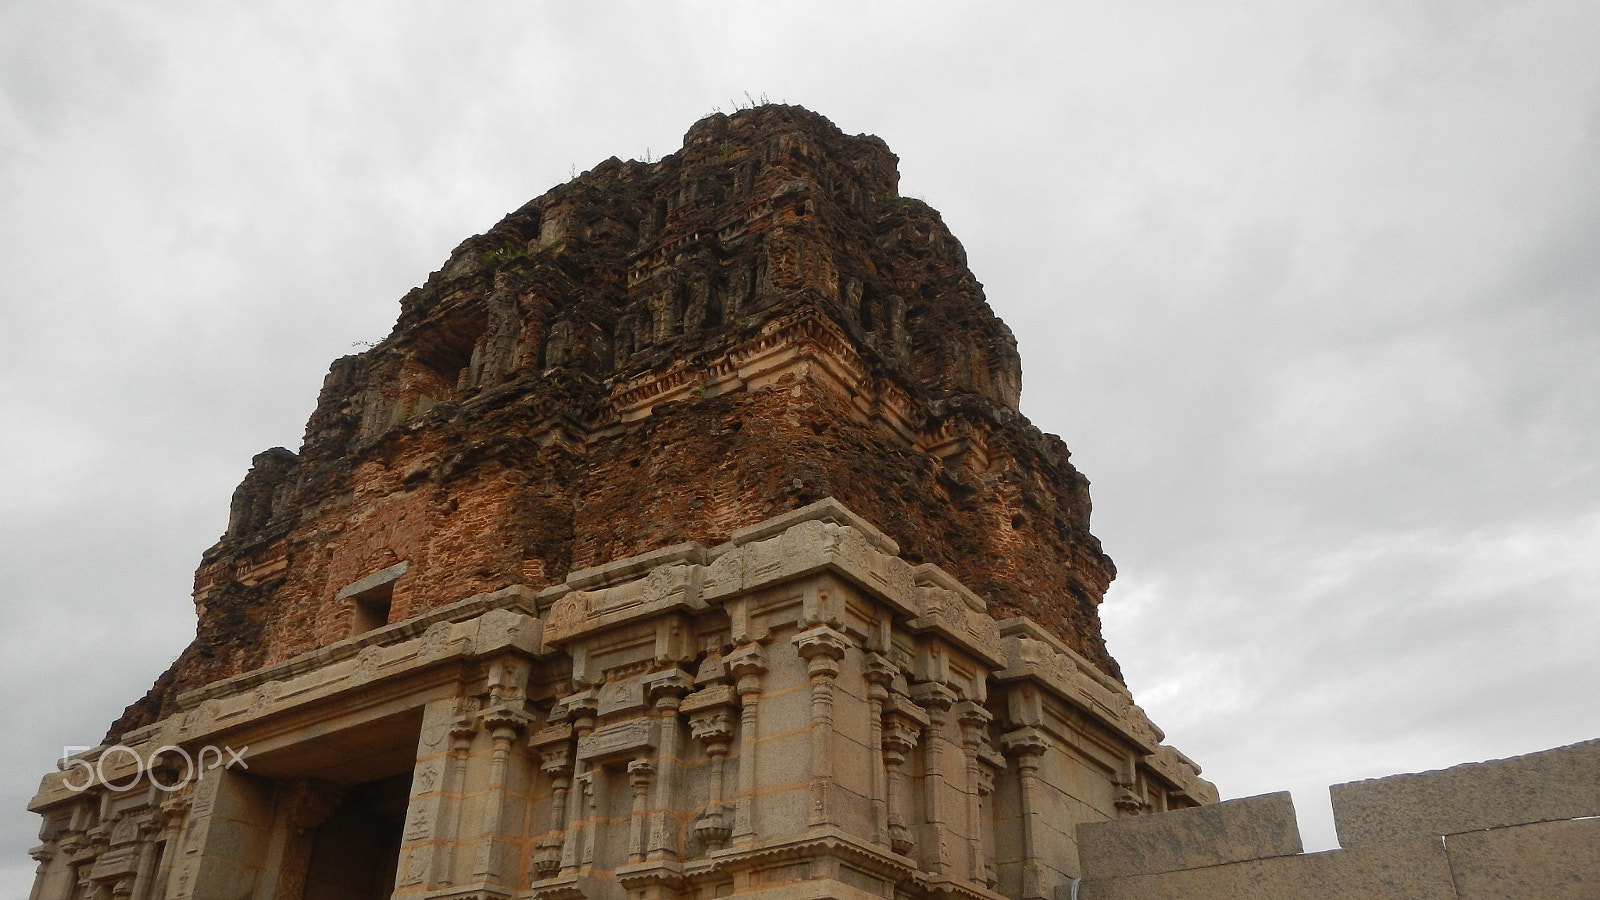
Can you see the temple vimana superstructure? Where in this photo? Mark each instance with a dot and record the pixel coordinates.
(683, 540)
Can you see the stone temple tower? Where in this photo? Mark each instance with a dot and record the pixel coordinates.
(682, 540)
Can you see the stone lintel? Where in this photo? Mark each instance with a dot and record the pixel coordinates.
(948, 608)
(711, 696)
(302, 691)
(551, 734)
(653, 590)
(374, 581)
(788, 546)
(623, 740)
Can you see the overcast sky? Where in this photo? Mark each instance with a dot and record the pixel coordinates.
(1312, 291)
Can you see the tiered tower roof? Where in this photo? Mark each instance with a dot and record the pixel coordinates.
(649, 354)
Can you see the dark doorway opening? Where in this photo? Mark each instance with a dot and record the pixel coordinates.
(356, 851)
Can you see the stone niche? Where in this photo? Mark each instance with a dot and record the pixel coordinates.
(797, 712)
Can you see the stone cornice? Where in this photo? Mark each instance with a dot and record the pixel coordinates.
(683, 579)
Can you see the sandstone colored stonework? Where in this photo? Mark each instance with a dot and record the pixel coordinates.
(797, 711)
(682, 540)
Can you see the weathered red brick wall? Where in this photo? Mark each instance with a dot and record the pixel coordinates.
(481, 441)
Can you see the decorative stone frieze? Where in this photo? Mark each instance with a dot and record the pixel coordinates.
(682, 757)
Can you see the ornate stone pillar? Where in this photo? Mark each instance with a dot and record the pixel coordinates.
(641, 772)
(86, 888)
(1027, 745)
(710, 712)
(936, 700)
(747, 664)
(554, 746)
(581, 709)
(902, 725)
(1127, 801)
(504, 724)
(150, 832)
(879, 673)
(822, 648)
(174, 814)
(455, 781)
(504, 719)
(588, 806)
(43, 855)
(667, 690)
(986, 772)
(974, 721)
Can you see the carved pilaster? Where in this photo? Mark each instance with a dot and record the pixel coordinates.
(99, 838)
(747, 664)
(43, 854)
(902, 726)
(1028, 746)
(504, 722)
(586, 809)
(554, 746)
(580, 708)
(455, 780)
(822, 648)
(150, 831)
(667, 690)
(974, 722)
(174, 816)
(641, 772)
(710, 712)
(1127, 799)
(879, 674)
(938, 851)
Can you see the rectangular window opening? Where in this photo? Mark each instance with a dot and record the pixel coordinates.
(372, 609)
(371, 599)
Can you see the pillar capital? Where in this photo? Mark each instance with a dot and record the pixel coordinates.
(933, 697)
(505, 721)
(747, 663)
(668, 684)
(1026, 743)
(821, 641)
(974, 720)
